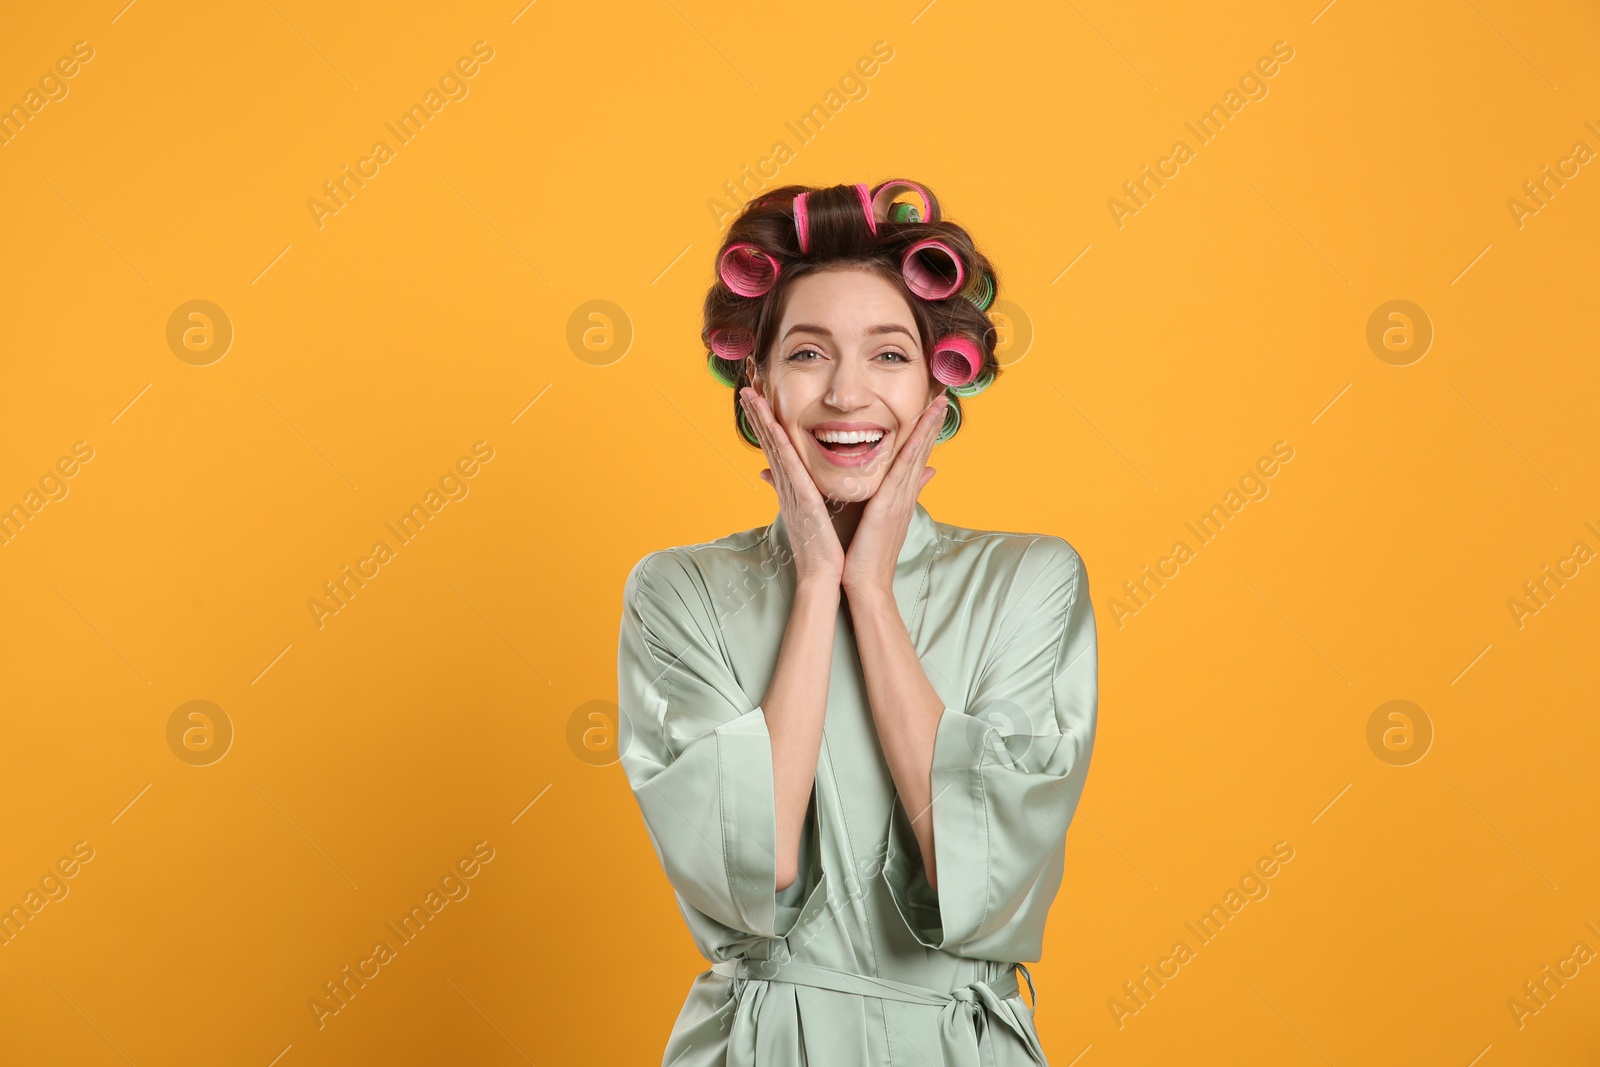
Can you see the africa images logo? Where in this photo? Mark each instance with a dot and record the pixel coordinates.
(338, 992)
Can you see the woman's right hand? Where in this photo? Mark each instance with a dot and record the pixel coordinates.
(818, 556)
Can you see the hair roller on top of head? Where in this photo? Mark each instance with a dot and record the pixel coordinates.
(885, 209)
(802, 223)
(933, 270)
(871, 216)
(748, 269)
(956, 360)
(802, 215)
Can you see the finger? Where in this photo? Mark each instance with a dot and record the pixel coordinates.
(796, 491)
(794, 471)
(896, 465)
(752, 417)
(770, 434)
(935, 424)
(930, 431)
(911, 472)
(754, 411)
(748, 397)
(912, 458)
(938, 407)
(759, 425)
(781, 438)
(927, 427)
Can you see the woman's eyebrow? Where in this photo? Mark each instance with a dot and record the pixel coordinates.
(885, 327)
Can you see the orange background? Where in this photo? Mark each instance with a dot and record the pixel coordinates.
(369, 354)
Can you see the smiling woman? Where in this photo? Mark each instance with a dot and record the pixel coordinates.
(926, 276)
(820, 371)
(857, 736)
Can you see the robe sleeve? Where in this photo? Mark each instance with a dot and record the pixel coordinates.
(697, 753)
(1007, 773)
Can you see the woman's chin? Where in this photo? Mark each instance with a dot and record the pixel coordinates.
(849, 489)
(847, 485)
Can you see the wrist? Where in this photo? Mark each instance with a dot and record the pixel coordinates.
(868, 590)
(817, 587)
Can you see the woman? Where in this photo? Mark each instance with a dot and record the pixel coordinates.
(857, 735)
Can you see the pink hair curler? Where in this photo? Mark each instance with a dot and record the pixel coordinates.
(747, 269)
(802, 223)
(883, 200)
(866, 206)
(933, 270)
(732, 342)
(802, 215)
(956, 360)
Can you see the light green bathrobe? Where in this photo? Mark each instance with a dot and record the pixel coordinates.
(859, 961)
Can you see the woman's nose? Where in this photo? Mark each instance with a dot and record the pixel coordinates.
(847, 386)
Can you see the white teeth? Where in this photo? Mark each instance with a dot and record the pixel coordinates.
(847, 437)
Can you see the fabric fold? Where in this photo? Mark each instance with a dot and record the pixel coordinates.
(699, 758)
(1006, 777)
(966, 1014)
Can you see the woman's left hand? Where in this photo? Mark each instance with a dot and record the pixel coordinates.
(869, 564)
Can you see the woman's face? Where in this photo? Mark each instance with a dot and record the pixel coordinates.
(847, 359)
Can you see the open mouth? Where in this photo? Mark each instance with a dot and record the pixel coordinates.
(849, 447)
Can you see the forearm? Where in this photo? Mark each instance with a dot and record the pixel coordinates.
(796, 705)
(905, 708)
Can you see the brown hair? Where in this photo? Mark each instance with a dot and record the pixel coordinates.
(840, 236)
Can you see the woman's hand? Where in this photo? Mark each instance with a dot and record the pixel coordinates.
(818, 556)
(875, 547)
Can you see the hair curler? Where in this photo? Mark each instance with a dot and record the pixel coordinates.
(802, 215)
(932, 270)
(802, 223)
(956, 360)
(980, 290)
(746, 431)
(865, 196)
(732, 342)
(748, 269)
(885, 209)
(974, 387)
(722, 370)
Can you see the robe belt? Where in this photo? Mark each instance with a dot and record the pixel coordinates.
(958, 1026)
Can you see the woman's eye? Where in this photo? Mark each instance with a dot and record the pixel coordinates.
(799, 355)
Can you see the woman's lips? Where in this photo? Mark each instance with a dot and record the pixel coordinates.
(859, 459)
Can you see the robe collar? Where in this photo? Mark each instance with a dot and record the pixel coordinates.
(910, 569)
